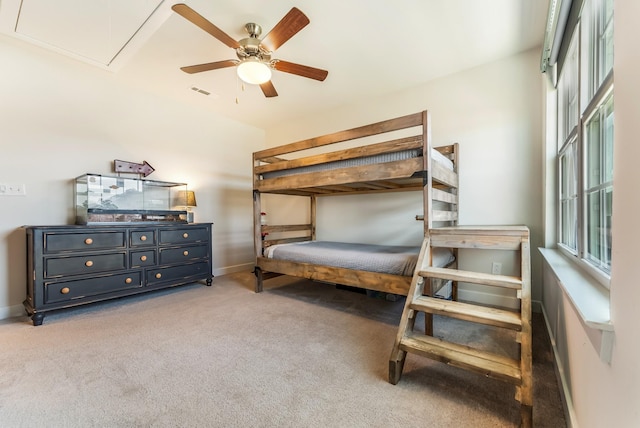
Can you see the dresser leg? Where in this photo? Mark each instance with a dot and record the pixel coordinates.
(37, 318)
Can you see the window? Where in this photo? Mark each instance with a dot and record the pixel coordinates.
(598, 139)
(569, 197)
(585, 139)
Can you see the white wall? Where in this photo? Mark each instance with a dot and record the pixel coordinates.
(60, 118)
(608, 394)
(494, 112)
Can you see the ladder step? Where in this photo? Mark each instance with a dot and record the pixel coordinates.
(468, 312)
(512, 282)
(479, 237)
(485, 363)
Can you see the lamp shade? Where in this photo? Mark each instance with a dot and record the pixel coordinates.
(191, 199)
(254, 72)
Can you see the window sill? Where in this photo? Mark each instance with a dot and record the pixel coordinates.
(588, 297)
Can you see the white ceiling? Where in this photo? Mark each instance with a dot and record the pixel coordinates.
(369, 47)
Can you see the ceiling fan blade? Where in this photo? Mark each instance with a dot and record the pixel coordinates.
(191, 15)
(268, 89)
(288, 26)
(301, 70)
(209, 66)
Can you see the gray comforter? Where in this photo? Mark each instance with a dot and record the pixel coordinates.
(391, 259)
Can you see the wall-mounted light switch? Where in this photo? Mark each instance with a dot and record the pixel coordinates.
(12, 190)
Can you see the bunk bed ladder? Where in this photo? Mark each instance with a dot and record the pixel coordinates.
(515, 371)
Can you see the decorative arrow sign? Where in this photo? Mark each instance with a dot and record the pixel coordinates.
(138, 168)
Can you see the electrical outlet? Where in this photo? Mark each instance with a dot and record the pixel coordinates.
(496, 268)
(12, 190)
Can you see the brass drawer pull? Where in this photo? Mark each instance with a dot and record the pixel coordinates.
(65, 290)
(143, 238)
(158, 275)
(88, 263)
(128, 281)
(143, 258)
(186, 253)
(185, 235)
(88, 241)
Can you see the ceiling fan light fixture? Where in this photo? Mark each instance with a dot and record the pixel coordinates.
(254, 72)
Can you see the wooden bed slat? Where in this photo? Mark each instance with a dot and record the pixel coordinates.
(442, 196)
(332, 189)
(286, 227)
(269, 242)
(438, 215)
(395, 284)
(443, 175)
(393, 146)
(272, 159)
(446, 150)
(396, 169)
(359, 132)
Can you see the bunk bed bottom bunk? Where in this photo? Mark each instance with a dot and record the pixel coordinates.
(384, 268)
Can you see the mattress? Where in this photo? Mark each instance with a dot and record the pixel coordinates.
(364, 160)
(391, 259)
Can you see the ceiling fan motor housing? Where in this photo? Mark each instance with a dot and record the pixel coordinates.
(250, 48)
(253, 29)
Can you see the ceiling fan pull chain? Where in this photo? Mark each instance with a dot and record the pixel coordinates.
(237, 99)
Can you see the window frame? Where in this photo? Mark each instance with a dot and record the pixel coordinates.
(602, 87)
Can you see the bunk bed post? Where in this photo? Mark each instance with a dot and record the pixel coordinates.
(427, 195)
(454, 158)
(257, 225)
(427, 179)
(257, 239)
(312, 222)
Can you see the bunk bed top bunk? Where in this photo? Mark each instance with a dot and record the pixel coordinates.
(392, 165)
(389, 156)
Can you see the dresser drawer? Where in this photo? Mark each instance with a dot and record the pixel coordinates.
(178, 274)
(184, 235)
(86, 264)
(142, 258)
(54, 242)
(56, 292)
(140, 238)
(183, 254)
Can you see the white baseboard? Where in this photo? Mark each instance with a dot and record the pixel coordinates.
(233, 269)
(11, 311)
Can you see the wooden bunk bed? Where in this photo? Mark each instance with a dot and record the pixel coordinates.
(389, 156)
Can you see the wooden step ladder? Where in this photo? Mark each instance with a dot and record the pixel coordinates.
(515, 371)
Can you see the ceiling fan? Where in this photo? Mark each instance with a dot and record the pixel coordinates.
(254, 63)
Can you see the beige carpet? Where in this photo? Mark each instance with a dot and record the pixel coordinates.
(300, 354)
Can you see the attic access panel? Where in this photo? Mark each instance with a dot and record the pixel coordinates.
(94, 31)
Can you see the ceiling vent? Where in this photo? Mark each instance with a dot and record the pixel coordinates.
(201, 91)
